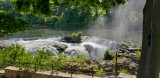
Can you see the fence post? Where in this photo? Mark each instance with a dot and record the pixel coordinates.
(19, 63)
(52, 69)
(92, 72)
(35, 67)
(116, 66)
(71, 71)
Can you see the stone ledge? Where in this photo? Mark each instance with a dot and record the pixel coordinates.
(14, 72)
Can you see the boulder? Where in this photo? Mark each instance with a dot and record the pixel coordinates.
(71, 39)
(5, 44)
(60, 47)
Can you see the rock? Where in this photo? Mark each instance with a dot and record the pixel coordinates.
(88, 47)
(88, 61)
(128, 49)
(74, 65)
(72, 52)
(132, 49)
(109, 69)
(70, 39)
(5, 44)
(90, 67)
(60, 47)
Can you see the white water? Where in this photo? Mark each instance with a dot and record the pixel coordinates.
(93, 47)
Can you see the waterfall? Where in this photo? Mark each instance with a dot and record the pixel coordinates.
(93, 47)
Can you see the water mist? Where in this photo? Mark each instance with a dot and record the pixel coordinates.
(124, 22)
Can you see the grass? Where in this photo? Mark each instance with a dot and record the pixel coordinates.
(99, 71)
(124, 71)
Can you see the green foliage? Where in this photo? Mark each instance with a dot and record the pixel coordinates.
(76, 36)
(108, 55)
(124, 71)
(72, 14)
(43, 6)
(122, 59)
(73, 38)
(10, 24)
(40, 7)
(23, 6)
(11, 54)
(138, 54)
(79, 34)
(43, 59)
(80, 59)
(99, 71)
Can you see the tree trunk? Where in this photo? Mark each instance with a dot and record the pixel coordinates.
(150, 59)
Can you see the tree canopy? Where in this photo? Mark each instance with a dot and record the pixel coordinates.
(10, 24)
(43, 7)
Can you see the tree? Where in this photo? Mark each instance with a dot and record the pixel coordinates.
(149, 62)
(10, 24)
(45, 8)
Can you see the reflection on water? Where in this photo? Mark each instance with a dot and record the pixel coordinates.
(135, 37)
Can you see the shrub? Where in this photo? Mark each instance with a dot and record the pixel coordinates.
(79, 34)
(138, 54)
(124, 71)
(108, 55)
(121, 59)
(73, 38)
(98, 71)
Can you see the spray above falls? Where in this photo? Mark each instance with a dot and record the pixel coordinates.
(124, 22)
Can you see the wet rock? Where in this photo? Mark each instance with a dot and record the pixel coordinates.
(109, 69)
(5, 44)
(74, 65)
(70, 39)
(90, 67)
(72, 52)
(128, 49)
(60, 47)
(88, 47)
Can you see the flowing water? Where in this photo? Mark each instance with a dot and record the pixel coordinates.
(93, 46)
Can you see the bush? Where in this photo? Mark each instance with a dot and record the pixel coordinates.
(79, 34)
(138, 54)
(108, 55)
(124, 71)
(73, 38)
(98, 71)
